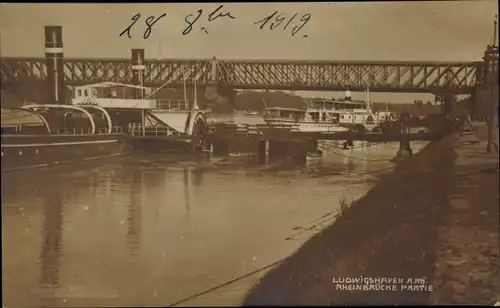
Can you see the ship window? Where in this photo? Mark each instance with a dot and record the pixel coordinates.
(79, 92)
(86, 93)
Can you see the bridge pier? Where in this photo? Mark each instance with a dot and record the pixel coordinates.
(54, 58)
(312, 145)
(220, 146)
(275, 150)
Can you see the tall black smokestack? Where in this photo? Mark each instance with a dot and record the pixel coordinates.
(55, 67)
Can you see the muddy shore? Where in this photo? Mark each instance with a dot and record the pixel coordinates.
(389, 233)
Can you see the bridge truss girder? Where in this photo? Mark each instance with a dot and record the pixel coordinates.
(379, 77)
(431, 77)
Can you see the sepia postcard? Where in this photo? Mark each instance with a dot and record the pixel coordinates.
(249, 154)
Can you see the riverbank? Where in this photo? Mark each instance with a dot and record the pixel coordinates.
(434, 218)
(390, 232)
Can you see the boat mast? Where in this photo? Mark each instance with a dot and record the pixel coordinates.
(495, 30)
(265, 104)
(367, 97)
(184, 84)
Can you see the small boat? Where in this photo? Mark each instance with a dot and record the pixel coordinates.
(251, 113)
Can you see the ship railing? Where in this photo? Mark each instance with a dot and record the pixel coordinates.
(117, 129)
(253, 129)
(172, 104)
(114, 130)
(73, 131)
(291, 127)
(332, 130)
(140, 130)
(247, 129)
(223, 128)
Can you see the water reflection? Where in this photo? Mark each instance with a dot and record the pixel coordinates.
(187, 189)
(134, 219)
(51, 241)
(197, 177)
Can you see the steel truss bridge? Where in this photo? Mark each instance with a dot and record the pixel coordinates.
(425, 77)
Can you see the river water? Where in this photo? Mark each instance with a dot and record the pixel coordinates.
(147, 229)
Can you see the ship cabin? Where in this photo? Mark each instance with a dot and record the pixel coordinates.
(336, 105)
(386, 116)
(321, 104)
(113, 95)
(283, 114)
(350, 106)
(322, 110)
(310, 115)
(120, 95)
(127, 105)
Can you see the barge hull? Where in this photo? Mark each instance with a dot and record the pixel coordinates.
(19, 152)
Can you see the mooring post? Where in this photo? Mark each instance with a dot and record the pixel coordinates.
(210, 149)
(348, 143)
(267, 151)
(263, 152)
(404, 142)
(207, 148)
(55, 64)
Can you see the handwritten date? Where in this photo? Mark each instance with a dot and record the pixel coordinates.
(150, 22)
(276, 19)
(191, 19)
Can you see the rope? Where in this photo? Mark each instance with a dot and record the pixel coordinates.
(227, 283)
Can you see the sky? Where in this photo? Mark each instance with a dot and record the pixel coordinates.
(388, 31)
